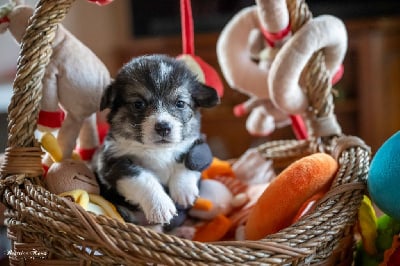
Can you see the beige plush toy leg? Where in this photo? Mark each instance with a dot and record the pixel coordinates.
(49, 103)
(68, 134)
(88, 139)
(259, 122)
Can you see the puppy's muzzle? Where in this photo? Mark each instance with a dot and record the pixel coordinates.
(162, 128)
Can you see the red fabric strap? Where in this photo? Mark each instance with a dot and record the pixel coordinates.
(338, 75)
(187, 27)
(239, 110)
(273, 37)
(4, 19)
(210, 74)
(51, 119)
(45, 169)
(298, 126)
(102, 130)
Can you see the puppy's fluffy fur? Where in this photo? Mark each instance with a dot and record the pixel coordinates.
(154, 121)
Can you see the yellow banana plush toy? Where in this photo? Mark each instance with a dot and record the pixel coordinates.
(72, 178)
(93, 202)
(367, 223)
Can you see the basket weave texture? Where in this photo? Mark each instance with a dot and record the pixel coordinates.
(48, 230)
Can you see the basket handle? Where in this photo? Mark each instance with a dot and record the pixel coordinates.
(23, 110)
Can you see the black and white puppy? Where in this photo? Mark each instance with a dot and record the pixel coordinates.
(154, 122)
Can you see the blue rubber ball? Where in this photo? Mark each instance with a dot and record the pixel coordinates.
(384, 177)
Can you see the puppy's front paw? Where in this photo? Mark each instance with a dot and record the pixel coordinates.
(161, 210)
(185, 196)
(184, 189)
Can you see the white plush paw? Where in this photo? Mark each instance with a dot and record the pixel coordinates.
(160, 210)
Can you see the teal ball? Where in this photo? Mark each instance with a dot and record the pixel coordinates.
(384, 177)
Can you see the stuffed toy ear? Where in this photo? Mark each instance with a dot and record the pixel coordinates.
(205, 96)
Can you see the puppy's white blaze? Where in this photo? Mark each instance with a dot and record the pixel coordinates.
(150, 136)
(165, 70)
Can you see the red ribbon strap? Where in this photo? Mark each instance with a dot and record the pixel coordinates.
(187, 27)
(273, 37)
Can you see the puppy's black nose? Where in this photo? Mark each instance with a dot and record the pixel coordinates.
(162, 128)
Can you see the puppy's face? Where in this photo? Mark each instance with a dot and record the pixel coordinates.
(155, 100)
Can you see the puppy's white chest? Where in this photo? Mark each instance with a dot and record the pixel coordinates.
(161, 162)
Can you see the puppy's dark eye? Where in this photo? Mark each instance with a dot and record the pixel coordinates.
(139, 105)
(180, 104)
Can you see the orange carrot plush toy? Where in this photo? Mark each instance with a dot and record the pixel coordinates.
(281, 200)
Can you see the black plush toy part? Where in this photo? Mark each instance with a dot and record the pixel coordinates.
(199, 156)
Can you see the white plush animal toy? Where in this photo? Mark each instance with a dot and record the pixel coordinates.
(260, 56)
(72, 85)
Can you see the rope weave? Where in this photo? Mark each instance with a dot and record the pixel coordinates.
(34, 56)
(315, 81)
(25, 160)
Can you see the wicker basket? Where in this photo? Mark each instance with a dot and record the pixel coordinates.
(48, 230)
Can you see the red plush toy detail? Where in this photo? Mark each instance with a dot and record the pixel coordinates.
(210, 75)
(101, 2)
(51, 119)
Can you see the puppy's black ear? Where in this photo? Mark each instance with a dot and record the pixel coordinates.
(205, 96)
(108, 96)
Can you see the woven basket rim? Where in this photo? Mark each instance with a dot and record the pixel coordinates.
(49, 214)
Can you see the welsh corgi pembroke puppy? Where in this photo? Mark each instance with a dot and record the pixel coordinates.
(154, 120)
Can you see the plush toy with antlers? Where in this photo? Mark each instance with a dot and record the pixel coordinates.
(72, 85)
